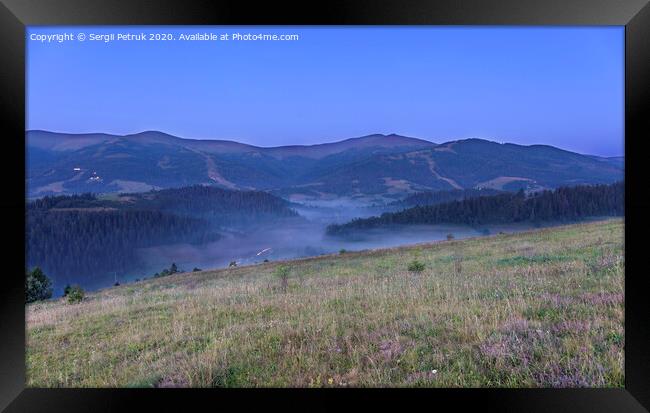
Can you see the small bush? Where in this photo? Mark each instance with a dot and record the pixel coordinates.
(450, 237)
(37, 286)
(266, 260)
(342, 251)
(282, 272)
(66, 290)
(196, 269)
(76, 295)
(232, 264)
(416, 266)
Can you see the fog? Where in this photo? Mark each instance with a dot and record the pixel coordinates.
(302, 238)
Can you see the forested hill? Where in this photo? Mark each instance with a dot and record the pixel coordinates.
(83, 238)
(219, 206)
(213, 200)
(195, 200)
(83, 245)
(562, 204)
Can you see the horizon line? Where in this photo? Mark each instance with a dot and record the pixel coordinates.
(322, 143)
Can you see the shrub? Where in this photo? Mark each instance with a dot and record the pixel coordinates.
(450, 237)
(342, 251)
(76, 295)
(66, 290)
(266, 260)
(416, 266)
(232, 264)
(37, 286)
(282, 272)
(173, 269)
(196, 269)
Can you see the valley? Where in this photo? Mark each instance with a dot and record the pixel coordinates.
(104, 208)
(359, 206)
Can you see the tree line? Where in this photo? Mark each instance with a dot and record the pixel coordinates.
(561, 204)
(219, 206)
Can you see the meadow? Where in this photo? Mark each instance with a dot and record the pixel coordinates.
(542, 308)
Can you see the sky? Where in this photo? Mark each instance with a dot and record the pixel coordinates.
(560, 86)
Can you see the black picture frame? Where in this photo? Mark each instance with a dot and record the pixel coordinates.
(15, 15)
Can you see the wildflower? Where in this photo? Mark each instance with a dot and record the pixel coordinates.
(330, 381)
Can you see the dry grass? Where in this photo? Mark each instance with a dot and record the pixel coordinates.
(542, 308)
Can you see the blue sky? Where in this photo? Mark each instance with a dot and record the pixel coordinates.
(557, 86)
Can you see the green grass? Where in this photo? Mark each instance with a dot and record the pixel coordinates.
(537, 309)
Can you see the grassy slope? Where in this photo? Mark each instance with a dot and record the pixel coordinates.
(542, 308)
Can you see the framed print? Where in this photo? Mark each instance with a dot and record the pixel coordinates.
(375, 203)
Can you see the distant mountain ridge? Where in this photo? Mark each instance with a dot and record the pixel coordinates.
(67, 142)
(369, 168)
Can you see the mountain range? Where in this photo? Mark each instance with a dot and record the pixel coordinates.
(374, 168)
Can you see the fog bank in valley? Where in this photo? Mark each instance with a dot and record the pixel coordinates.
(304, 238)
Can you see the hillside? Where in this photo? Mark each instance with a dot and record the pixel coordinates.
(564, 204)
(440, 197)
(541, 308)
(373, 168)
(68, 163)
(89, 239)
